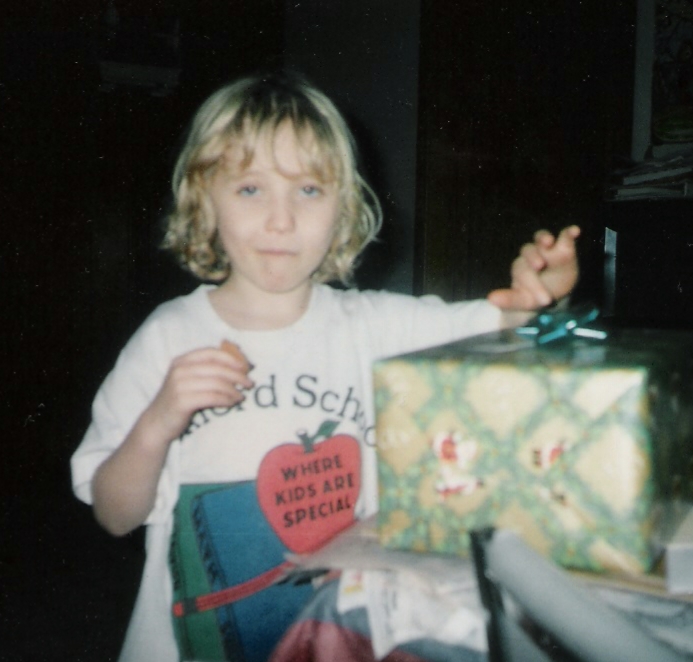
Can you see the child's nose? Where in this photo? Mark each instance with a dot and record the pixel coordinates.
(281, 215)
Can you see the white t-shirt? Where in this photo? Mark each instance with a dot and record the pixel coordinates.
(312, 380)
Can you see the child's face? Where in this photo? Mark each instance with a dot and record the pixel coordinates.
(276, 220)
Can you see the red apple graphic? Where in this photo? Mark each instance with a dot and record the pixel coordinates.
(308, 490)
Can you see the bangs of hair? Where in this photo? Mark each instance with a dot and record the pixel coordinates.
(316, 157)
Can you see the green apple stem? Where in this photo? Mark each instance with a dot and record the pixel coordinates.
(324, 431)
(308, 442)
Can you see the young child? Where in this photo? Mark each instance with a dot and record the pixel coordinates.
(233, 456)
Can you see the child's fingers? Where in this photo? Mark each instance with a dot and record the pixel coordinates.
(235, 351)
(180, 405)
(527, 291)
(514, 298)
(210, 364)
(200, 379)
(543, 239)
(173, 407)
(547, 244)
(506, 299)
(565, 242)
(211, 359)
(217, 355)
(209, 379)
(527, 280)
(569, 233)
(533, 256)
(544, 271)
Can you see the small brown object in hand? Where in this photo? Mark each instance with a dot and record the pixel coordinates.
(235, 351)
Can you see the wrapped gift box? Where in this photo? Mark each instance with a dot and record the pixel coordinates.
(576, 445)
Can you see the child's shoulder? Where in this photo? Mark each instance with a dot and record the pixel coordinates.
(180, 317)
(181, 305)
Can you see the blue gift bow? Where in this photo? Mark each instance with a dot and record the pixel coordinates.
(551, 326)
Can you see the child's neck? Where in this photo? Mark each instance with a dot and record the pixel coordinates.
(254, 311)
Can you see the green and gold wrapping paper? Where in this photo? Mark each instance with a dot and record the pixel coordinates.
(574, 445)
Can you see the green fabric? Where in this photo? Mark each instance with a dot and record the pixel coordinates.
(197, 634)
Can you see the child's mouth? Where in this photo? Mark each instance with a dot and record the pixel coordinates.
(277, 252)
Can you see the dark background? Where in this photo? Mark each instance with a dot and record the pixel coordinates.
(84, 177)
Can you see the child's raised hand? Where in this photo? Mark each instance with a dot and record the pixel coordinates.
(125, 485)
(544, 272)
(197, 380)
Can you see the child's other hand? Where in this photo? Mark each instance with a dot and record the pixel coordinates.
(199, 379)
(544, 272)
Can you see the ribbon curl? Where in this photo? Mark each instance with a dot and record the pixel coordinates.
(550, 326)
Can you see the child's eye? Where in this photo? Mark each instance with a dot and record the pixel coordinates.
(248, 190)
(311, 190)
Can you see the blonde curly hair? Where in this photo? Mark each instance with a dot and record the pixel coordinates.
(235, 117)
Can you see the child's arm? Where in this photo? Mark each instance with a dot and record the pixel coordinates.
(546, 271)
(125, 485)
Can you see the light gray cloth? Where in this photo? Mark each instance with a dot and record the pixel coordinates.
(589, 627)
